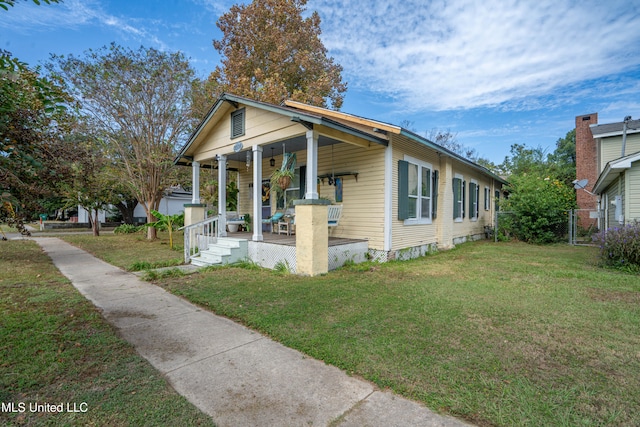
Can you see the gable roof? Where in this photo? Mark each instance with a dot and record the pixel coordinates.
(371, 130)
(614, 129)
(295, 115)
(613, 169)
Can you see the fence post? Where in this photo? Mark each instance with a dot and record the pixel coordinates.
(571, 227)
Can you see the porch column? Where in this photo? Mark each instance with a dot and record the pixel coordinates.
(194, 212)
(312, 237)
(312, 165)
(257, 193)
(195, 182)
(222, 196)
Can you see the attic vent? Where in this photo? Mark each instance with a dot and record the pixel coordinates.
(585, 118)
(237, 123)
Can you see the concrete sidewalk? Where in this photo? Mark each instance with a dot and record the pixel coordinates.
(237, 376)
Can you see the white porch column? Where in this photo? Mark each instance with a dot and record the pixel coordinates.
(195, 181)
(257, 194)
(222, 196)
(312, 165)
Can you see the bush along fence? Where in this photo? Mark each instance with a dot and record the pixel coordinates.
(575, 227)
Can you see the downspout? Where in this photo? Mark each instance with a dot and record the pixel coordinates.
(388, 198)
(624, 134)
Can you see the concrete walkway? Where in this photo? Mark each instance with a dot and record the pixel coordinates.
(237, 376)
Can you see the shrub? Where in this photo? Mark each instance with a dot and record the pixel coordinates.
(620, 247)
(538, 208)
(126, 229)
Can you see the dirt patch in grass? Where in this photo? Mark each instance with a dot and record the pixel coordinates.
(612, 295)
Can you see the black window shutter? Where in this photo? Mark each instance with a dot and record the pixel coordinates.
(456, 198)
(434, 194)
(403, 190)
(472, 199)
(464, 196)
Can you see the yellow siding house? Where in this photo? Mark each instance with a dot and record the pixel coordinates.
(399, 194)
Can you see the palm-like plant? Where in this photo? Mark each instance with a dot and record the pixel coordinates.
(167, 222)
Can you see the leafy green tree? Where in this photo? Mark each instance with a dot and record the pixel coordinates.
(562, 161)
(90, 186)
(141, 101)
(33, 120)
(4, 4)
(271, 53)
(525, 160)
(538, 208)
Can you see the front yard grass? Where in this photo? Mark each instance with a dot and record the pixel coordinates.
(503, 334)
(56, 348)
(132, 252)
(497, 334)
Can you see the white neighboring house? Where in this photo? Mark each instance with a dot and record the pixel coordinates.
(172, 203)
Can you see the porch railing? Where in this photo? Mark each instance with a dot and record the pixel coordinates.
(198, 236)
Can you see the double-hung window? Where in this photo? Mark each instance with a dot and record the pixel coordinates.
(459, 185)
(474, 200)
(487, 198)
(415, 191)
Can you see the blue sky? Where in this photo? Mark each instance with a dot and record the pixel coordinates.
(494, 72)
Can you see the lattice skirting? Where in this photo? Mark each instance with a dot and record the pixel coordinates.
(351, 252)
(268, 255)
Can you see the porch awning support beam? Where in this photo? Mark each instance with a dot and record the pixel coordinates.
(312, 165)
(304, 123)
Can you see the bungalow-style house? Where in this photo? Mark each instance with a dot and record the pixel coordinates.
(609, 155)
(396, 194)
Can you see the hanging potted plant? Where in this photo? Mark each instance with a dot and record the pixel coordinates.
(281, 178)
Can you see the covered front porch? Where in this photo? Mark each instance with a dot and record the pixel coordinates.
(264, 137)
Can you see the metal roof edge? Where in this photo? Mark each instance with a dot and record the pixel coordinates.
(424, 141)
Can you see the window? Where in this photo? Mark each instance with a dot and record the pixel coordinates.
(474, 200)
(458, 197)
(237, 123)
(415, 183)
(487, 198)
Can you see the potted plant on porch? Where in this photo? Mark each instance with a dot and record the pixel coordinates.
(281, 179)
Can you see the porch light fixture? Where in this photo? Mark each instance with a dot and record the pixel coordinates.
(248, 159)
(272, 161)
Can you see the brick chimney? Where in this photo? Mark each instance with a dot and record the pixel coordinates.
(586, 165)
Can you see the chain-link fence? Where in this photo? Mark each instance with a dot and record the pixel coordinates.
(583, 224)
(575, 227)
(551, 228)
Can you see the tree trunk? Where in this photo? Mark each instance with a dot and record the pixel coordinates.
(95, 224)
(152, 233)
(126, 208)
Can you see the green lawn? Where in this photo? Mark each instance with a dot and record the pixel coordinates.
(131, 252)
(498, 334)
(56, 348)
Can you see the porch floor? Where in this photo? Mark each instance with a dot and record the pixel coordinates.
(283, 239)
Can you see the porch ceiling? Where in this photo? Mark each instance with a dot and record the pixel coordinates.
(291, 145)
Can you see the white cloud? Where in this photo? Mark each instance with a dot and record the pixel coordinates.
(74, 14)
(465, 53)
